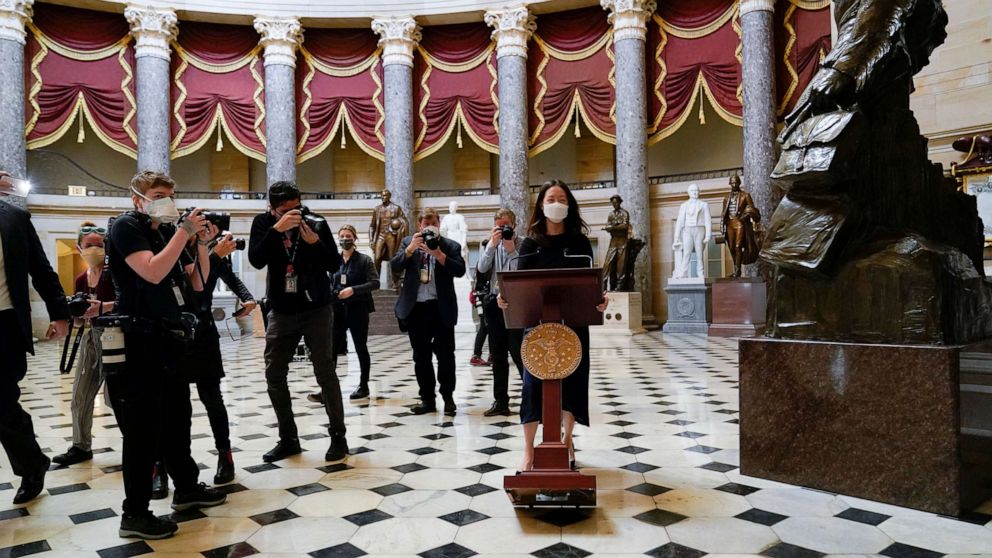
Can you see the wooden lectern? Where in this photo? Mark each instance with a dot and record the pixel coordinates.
(551, 296)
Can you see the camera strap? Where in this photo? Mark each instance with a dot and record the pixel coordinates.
(65, 367)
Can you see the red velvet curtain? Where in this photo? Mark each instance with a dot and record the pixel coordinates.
(218, 81)
(79, 62)
(571, 76)
(455, 88)
(339, 83)
(802, 39)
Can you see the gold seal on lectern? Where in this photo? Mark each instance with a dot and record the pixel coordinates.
(551, 351)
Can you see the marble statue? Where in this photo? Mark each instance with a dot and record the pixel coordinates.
(388, 227)
(692, 231)
(454, 227)
(737, 224)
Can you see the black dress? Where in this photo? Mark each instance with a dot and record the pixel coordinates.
(575, 388)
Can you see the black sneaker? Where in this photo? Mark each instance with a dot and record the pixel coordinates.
(160, 482)
(199, 497)
(316, 397)
(72, 456)
(423, 409)
(225, 467)
(338, 450)
(146, 526)
(361, 393)
(283, 449)
(498, 409)
(449, 407)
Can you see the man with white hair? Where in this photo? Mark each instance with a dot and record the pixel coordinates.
(692, 232)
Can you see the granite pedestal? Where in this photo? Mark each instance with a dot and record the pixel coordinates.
(881, 422)
(739, 305)
(622, 315)
(688, 305)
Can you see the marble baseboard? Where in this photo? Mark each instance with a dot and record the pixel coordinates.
(880, 422)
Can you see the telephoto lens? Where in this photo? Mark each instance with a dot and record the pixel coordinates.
(112, 355)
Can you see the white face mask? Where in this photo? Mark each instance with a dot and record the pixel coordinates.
(161, 211)
(556, 212)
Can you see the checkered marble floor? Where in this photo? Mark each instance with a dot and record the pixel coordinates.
(663, 445)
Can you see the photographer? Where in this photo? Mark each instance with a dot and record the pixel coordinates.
(499, 255)
(95, 287)
(150, 397)
(299, 251)
(21, 255)
(428, 308)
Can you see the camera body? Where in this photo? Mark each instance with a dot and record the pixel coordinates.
(431, 238)
(239, 244)
(79, 303)
(317, 223)
(220, 220)
(506, 231)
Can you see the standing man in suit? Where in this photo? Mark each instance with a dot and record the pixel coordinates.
(21, 254)
(428, 308)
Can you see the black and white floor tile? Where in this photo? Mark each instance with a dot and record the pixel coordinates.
(663, 445)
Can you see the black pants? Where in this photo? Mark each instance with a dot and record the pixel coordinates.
(429, 335)
(503, 343)
(283, 335)
(151, 403)
(213, 401)
(480, 335)
(354, 318)
(16, 428)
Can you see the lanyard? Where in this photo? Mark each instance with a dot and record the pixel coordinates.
(291, 251)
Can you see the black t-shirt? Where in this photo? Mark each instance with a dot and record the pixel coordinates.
(130, 233)
(559, 251)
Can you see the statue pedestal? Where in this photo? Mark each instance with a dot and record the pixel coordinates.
(889, 423)
(688, 305)
(739, 305)
(622, 315)
(383, 320)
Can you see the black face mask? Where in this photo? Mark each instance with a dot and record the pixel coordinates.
(346, 243)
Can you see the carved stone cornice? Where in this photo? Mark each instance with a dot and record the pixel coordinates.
(512, 28)
(281, 36)
(398, 37)
(153, 30)
(629, 17)
(14, 14)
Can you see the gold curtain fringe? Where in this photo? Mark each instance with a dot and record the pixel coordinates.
(459, 67)
(210, 67)
(76, 54)
(378, 106)
(786, 58)
(708, 29)
(180, 99)
(811, 5)
(576, 55)
(259, 104)
(307, 103)
(80, 110)
(423, 107)
(36, 61)
(334, 71)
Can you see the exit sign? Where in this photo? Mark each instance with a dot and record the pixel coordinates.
(77, 191)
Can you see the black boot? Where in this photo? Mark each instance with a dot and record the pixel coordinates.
(283, 449)
(225, 467)
(160, 481)
(361, 393)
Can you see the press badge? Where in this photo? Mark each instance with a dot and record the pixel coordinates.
(179, 294)
(291, 280)
(344, 279)
(425, 275)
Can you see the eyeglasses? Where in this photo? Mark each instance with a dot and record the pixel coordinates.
(90, 230)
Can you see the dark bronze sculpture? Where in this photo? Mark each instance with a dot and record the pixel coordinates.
(388, 227)
(618, 225)
(738, 221)
(871, 242)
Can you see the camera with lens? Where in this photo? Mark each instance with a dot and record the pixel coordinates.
(506, 231)
(316, 223)
(431, 238)
(239, 244)
(112, 354)
(79, 303)
(220, 220)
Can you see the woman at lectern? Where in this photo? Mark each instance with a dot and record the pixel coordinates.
(556, 238)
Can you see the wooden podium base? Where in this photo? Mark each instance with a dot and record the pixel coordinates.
(551, 482)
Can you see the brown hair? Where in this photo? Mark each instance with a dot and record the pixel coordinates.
(79, 234)
(537, 227)
(426, 213)
(349, 228)
(146, 180)
(506, 213)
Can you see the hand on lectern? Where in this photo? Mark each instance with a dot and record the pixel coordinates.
(602, 306)
(502, 303)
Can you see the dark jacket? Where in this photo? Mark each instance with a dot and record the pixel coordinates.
(312, 264)
(220, 268)
(444, 275)
(23, 255)
(362, 278)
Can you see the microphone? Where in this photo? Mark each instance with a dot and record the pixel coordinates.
(580, 256)
(514, 260)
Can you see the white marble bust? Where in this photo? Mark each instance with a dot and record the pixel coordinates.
(453, 226)
(692, 231)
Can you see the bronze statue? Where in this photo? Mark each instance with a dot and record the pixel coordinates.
(618, 225)
(388, 227)
(871, 242)
(738, 221)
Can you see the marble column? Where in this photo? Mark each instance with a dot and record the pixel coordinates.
(758, 79)
(398, 37)
(280, 38)
(153, 30)
(629, 19)
(14, 14)
(512, 29)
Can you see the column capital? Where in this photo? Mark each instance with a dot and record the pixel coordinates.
(153, 30)
(748, 6)
(629, 17)
(399, 36)
(280, 37)
(512, 28)
(14, 14)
